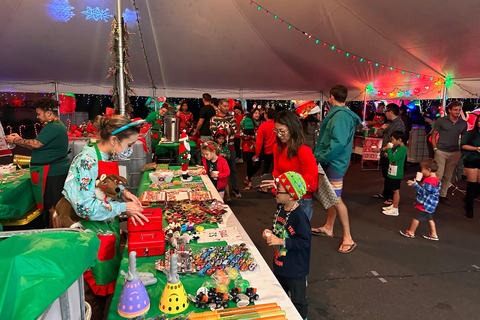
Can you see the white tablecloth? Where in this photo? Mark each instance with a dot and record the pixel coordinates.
(262, 278)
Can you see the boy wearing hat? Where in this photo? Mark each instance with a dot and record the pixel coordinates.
(291, 239)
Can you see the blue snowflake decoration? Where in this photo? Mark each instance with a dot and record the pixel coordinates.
(60, 10)
(97, 14)
(129, 16)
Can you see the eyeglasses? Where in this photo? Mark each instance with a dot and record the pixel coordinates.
(280, 132)
(388, 110)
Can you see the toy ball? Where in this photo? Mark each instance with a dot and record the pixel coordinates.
(209, 283)
(232, 273)
(223, 288)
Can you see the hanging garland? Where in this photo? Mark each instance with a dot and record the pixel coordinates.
(115, 66)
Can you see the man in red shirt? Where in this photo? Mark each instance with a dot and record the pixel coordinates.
(266, 138)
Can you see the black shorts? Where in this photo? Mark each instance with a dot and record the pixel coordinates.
(393, 184)
(423, 216)
(471, 164)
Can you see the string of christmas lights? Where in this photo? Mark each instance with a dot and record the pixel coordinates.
(143, 46)
(347, 53)
(399, 92)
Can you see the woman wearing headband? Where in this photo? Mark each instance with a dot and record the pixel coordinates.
(100, 214)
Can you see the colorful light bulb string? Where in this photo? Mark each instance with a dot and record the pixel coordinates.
(347, 53)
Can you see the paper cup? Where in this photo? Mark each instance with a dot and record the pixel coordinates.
(419, 176)
(216, 173)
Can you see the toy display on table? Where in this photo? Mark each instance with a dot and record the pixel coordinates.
(134, 301)
(161, 185)
(165, 176)
(194, 185)
(174, 298)
(194, 213)
(201, 195)
(185, 262)
(184, 155)
(221, 257)
(177, 195)
(152, 198)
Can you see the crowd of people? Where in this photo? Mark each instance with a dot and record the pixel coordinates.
(305, 154)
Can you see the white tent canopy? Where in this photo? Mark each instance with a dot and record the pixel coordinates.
(239, 49)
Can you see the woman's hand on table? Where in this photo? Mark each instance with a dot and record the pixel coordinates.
(273, 240)
(135, 212)
(128, 196)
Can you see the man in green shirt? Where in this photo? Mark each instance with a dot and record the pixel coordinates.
(156, 119)
(49, 164)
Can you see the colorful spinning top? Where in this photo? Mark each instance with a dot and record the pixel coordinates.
(134, 301)
(174, 298)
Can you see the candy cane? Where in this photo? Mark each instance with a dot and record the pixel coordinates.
(8, 127)
(69, 124)
(20, 129)
(35, 127)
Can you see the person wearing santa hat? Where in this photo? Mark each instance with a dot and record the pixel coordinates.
(311, 126)
(184, 155)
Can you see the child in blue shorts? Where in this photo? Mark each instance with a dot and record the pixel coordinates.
(426, 200)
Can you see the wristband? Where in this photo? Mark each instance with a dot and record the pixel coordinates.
(434, 149)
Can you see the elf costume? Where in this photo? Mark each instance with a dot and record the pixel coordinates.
(184, 155)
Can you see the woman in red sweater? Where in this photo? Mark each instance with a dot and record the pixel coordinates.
(291, 154)
(185, 117)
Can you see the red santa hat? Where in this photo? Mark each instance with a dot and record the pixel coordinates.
(183, 136)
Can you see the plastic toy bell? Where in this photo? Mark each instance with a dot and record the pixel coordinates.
(134, 301)
(174, 298)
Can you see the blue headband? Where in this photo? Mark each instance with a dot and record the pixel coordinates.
(131, 124)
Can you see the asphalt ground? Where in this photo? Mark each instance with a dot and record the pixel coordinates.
(387, 276)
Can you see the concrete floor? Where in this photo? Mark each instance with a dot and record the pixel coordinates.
(387, 276)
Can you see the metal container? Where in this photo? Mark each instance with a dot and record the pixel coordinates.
(172, 129)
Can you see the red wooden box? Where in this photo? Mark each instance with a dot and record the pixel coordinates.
(154, 216)
(149, 243)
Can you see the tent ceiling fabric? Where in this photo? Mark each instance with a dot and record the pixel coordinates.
(231, 49)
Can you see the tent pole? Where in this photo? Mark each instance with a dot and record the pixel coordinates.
(365, 105)
(154, 95)
(56, 91)
(444, 94)
(121, 84)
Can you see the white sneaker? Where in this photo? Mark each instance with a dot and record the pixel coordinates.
(387, 208)
(392, 212)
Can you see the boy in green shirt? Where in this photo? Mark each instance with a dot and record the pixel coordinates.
(395, 169)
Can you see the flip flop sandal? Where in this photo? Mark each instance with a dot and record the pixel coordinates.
(320, 232)
(388, 202)
(378, 196)
(352, 246)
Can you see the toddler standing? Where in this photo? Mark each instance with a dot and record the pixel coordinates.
(426, 200)
(395, 169)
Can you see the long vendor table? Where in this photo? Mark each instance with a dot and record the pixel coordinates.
(261, 278)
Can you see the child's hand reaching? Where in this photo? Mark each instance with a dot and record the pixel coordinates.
(273, 240)
(410, 182)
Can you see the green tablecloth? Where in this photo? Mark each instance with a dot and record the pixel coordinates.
(16, 195)
(37, 268)
(171, 147)
(147, 264)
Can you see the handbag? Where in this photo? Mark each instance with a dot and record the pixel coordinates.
(325, 193)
